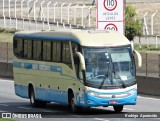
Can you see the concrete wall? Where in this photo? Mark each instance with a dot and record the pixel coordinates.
(146, 85)
(6, 70)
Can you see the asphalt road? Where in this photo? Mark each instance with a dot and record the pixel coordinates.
(11, 103)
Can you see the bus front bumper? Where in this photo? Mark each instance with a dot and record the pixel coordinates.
(93, 101)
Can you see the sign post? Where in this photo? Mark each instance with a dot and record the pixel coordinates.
(110, 15)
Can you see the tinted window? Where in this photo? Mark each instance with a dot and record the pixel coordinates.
(28, 49)
(46, 51)
(56, 51)
(18, 47)
(37, 50)
(66, 55)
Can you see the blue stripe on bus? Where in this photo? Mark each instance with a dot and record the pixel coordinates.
(30, 66)
(43, 94)
(52, 38)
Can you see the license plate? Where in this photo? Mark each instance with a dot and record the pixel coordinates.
(113, 102)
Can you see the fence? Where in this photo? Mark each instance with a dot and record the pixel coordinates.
(151, 65)
(45, 12)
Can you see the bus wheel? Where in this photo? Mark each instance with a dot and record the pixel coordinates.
(118, 108)
(72, 106)
(33, 101)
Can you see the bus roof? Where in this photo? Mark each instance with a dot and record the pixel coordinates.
(83, 37)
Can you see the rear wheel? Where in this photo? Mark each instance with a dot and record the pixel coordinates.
(118, 108)
(33, 101)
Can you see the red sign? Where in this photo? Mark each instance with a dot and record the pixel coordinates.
(110, 15)
(110, 5)
(111, 27)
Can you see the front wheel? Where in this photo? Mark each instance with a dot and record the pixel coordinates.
(118, 108)
(72, 105)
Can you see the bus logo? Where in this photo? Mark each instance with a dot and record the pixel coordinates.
(113, 96)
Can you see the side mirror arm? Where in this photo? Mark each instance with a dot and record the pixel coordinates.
(139, 57)
(82, 65)
(82, 61)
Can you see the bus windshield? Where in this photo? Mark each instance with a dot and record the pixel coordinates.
(109, 67)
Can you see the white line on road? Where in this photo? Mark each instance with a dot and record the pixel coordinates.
(3, 104)
(128, 109)
(24, 108)
(100, 119)
(148, 98)
(5, 80)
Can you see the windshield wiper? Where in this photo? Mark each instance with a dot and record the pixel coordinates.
(105, 76)
(119, 79)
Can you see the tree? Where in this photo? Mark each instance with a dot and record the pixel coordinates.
(133, 26)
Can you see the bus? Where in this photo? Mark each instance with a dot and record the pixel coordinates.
(78, 68)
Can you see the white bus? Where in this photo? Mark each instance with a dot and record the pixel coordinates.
(79, 68)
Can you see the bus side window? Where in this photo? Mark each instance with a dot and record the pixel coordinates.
(37, 50)
(56, 51)
(46, 50)
(30, 47)
(76, 59)
(66, 54)
(18, 47)
(25, 49)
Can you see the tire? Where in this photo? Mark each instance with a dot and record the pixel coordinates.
(33, 101)
(72, 106)
(118, 108)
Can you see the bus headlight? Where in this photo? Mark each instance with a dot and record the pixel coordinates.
(92, 93)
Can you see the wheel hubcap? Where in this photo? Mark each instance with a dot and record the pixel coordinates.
(32, 98)
(72, 103)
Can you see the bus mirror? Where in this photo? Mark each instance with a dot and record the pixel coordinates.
(139, 58)
(82, 62)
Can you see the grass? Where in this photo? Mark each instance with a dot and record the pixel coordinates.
(4, 30)
(144, 48)
(6, 35)
(4, 119)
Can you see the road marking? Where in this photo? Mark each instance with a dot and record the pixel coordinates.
(148, 98)
(5, 80)
(100, 119)
(128, 109)
(3, 104)
(25, 108)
